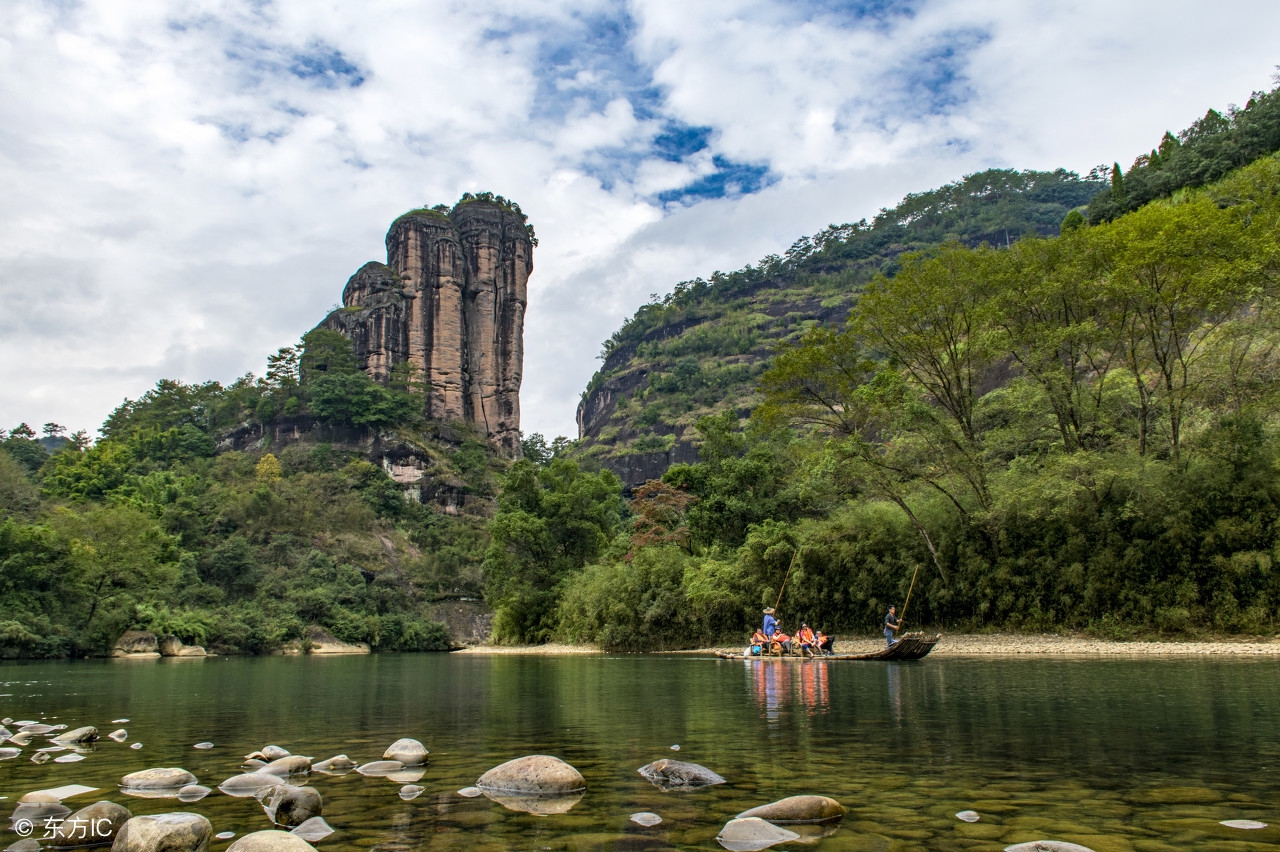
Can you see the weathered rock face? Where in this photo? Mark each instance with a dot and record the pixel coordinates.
(136, 643)
(449, 303)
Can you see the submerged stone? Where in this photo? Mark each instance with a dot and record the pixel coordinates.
(667, 774)
(968, 816)
(470, 792)
(1047, 846)
(406, 776)
(69, 758)
(205, 745)
(529, 803)
(119, 735)
(136, 746)
(10, 753)
(1246, 824)
(378, 768)
(646, 819)
(274, 752)
(292, 764)
(801, 809)
(752, 834)
(271, 841)
(158, 779)
(224, 835)
(248, 784)
(409, 792)
(335, 765)
(193, 793)
(313, 830)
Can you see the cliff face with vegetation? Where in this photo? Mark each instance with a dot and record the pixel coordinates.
(702, 349)
(447, 309)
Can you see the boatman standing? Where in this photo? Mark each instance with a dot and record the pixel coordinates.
(770, 623)
(891, 625)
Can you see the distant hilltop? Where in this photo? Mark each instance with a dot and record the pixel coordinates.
(449, 303)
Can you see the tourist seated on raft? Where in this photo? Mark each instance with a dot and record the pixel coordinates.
(826, 645)
(806, 640)
(759, 642)
(780, 642)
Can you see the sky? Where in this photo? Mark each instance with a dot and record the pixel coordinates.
(187, 185)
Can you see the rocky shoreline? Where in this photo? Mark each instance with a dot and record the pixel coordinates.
(987, 645)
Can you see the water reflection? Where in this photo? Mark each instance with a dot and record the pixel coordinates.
(779, 684)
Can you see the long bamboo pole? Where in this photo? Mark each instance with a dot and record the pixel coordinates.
(786, 577)
(914, 573)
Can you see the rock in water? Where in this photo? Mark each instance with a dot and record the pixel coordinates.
(248, 784)
(270, 841)
(224, 835)
(203, 746)
(323, 643)
(288, 805)
(530, 804)
(174, 832)
(37, 728)
(409, 792)
(193, 793)
(408, 751)
(313, 830)
(1047, 846)
(95, 825)
(379, 768)
(470, 792)
(407, 776)
(87, 734)
(38, 757)
(158, 779)
(136, 746)
(11, 753)
(669, 774)
(294, 764)
(968, 816)
(798, 809)
(535, 775)
(253, 765)
(334, 765)
(272, 752)
(38, 812)
(646, 819)
(752, 834)
(119, 735)
(1246, 824)
(69, 758)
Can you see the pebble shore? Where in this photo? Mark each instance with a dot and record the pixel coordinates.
(987, 645)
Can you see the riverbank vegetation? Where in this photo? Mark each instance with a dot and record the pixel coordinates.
(159, 527)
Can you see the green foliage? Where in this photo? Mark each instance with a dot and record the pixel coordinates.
(551, 521)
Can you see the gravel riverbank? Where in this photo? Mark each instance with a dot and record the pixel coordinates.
(991, 645)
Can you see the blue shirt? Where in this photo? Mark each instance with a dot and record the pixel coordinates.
(770, 624)
(890, 622)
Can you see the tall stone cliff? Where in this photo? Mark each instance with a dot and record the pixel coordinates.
(450, 302)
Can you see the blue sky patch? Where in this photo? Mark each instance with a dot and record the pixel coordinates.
(678, 140)
(729, 178)
(325, 66)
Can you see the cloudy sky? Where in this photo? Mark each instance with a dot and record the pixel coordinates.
(187, 185)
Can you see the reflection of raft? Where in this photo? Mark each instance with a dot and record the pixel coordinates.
(912, 646)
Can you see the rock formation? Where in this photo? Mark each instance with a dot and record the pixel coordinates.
(449, 304)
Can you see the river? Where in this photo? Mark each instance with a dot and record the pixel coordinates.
(1148, 754)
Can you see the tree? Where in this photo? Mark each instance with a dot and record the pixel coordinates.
(326, 352)
(267, 470)
(550, 522)
(53, 430)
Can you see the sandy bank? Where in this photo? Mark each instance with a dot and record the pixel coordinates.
(994, 645)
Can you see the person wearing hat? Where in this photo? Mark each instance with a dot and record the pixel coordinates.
(770, 623)
(891, 625)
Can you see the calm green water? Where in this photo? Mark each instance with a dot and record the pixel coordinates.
(1116, 755)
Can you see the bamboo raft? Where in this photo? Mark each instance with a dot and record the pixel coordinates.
(912, 646)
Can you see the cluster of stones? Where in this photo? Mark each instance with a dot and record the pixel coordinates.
(449, 303)
(536, 784)
(144, 643)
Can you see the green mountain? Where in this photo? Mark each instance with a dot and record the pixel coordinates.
(702, 348)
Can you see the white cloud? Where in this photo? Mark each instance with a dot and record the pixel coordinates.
(188, 184)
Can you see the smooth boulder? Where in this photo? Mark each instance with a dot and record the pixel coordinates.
(248, 784)
(534, 775)
(752, 834)
(380, 767)
(290, 806)
(158, 779)
(270, 841)
(274, 752)
(670, 774)
(87, 734)
(798, 809)
(97, 824)
(173, 832)
(334, 765)
(171, 646)
(408, 751)
(321, 642)
(294, 764)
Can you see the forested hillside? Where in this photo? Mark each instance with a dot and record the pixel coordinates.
(703, 348)
(237, 517)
